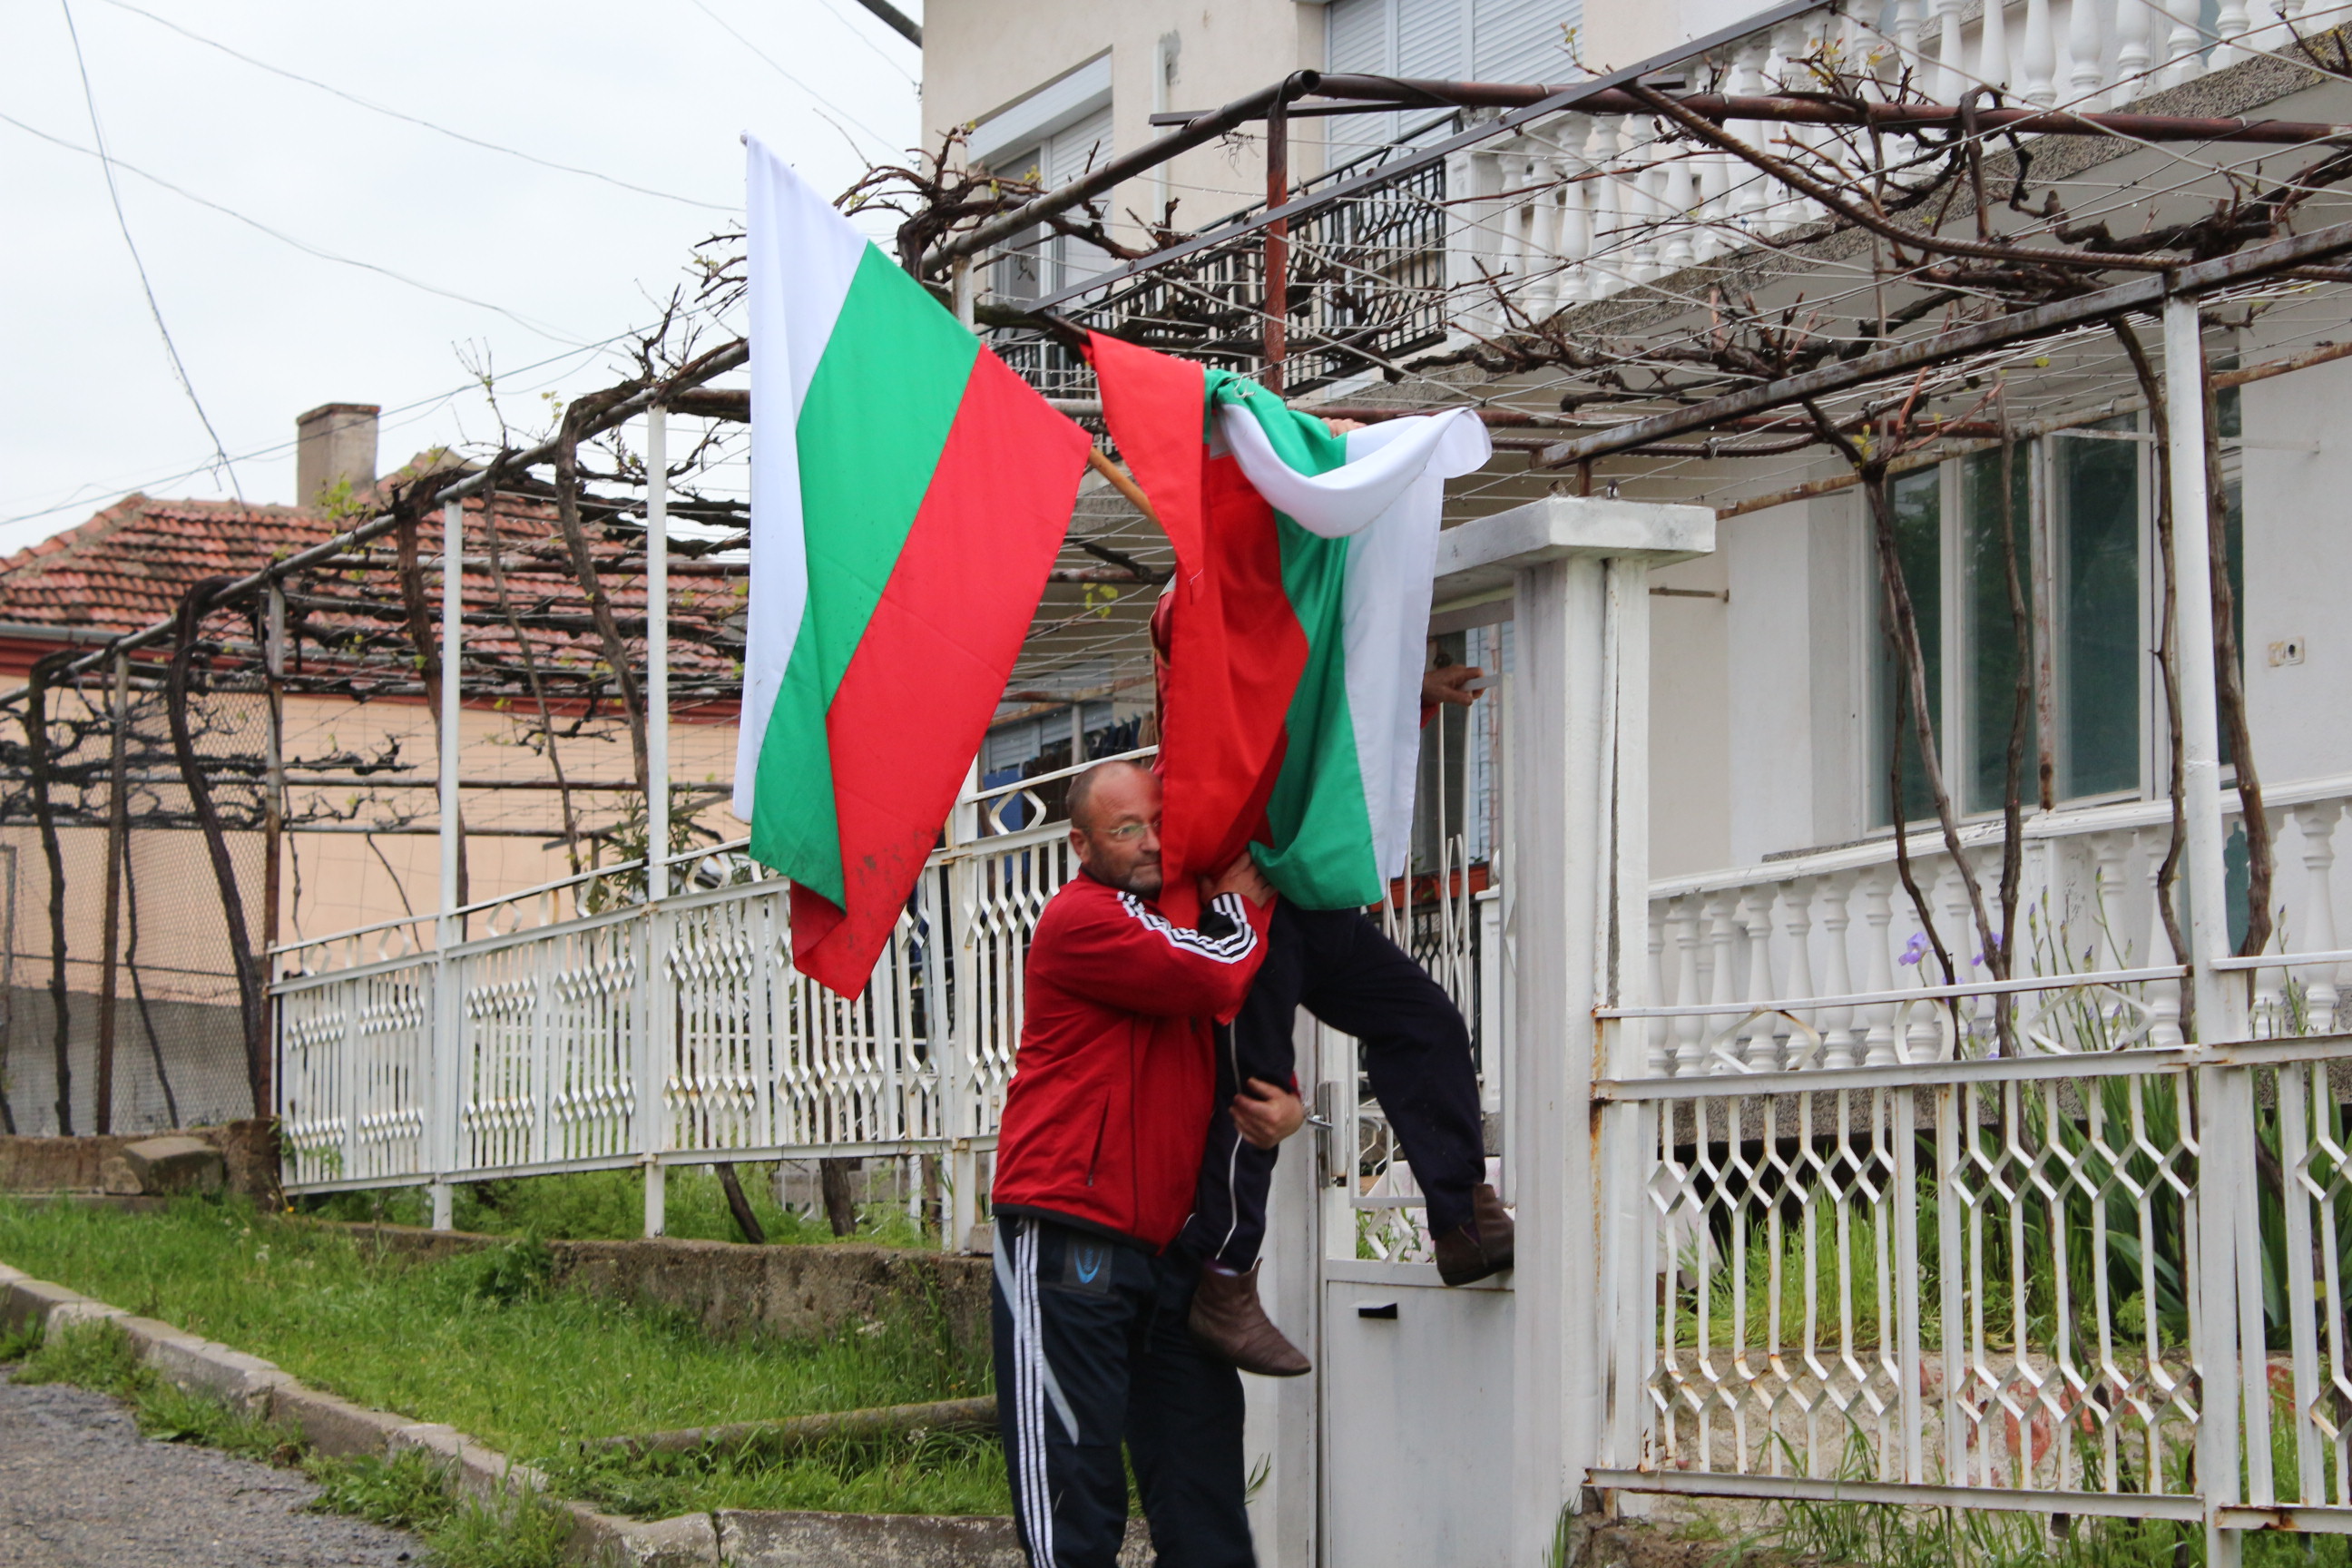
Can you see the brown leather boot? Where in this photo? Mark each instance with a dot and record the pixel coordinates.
(1484, 1246)
(1230, 1325)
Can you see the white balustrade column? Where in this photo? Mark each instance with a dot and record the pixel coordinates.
(1951, 75)
(1878, 955)
(1992, 47)
(2317, 927)
(1723, 974)
(1511, 222)
(1679, 204)
(1654, 1060)
(2233, 26)
(2183, 43)
(1609, 236)
(2041, 54)
(1689, 1030)
(1759, 1049)
(1575, 286)
(1797, 921)
(2163, 996)
(2135, 22)
(1545, 264)
(2086, 42)
(1908, 15)
(1837, 975)
(1749, 201)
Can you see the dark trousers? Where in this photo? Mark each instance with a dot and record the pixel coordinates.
(1091, 1353)
(1338, 965)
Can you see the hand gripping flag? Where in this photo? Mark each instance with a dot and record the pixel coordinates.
(1304, 567)
(908, 494)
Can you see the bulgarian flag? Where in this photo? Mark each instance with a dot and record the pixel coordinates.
(908, 494)
(1304, 564)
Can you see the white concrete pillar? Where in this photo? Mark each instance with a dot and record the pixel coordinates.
(1578, 876)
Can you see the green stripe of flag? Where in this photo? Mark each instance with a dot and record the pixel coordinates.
(871, 430)
(1322, 854)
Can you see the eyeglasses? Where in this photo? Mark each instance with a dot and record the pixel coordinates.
(1125, 833)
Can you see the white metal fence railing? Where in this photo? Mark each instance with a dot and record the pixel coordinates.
(583, 1025)
(1885, 1250)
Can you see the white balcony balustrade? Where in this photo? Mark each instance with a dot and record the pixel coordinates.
(1578, 207)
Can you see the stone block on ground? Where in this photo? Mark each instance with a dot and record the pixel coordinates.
(602, 1541)
(175, 1164)
(26, 1301)
(335, 1426)
(243, 1382)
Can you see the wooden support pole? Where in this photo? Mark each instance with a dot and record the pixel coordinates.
(1122, 483)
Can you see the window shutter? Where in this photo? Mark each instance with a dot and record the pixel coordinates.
(1522, 40)
(1356, 36)
(1429, 38)
(1359, 39)
(1075, 149)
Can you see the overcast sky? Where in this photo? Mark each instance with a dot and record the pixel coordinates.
(542, 261)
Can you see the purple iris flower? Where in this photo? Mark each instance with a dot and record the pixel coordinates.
(1916, 949)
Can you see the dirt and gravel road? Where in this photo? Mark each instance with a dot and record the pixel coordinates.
(79, 1488)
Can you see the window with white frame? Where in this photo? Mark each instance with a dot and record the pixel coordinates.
(2095, 575)
(1053, 135)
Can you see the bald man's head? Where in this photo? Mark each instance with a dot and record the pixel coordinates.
(1115, 826)
(1083, 787)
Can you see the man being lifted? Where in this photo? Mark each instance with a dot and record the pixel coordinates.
(1098, 1156)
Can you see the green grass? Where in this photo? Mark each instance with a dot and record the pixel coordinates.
(610, 1206)
(481, 1342)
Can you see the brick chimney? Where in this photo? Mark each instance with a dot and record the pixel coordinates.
(336, 441)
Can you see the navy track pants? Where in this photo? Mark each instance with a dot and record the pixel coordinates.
(1092, 1354)
(1340, 966)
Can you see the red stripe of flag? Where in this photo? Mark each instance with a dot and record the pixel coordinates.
(1235, 647)
(916, 700)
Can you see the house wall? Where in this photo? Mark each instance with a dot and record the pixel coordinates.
(2299, 573)
(983, 55)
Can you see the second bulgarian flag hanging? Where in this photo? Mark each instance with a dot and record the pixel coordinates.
(1304, 564)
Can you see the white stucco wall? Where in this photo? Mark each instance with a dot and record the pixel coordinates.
(2299, 573)
(982, 55)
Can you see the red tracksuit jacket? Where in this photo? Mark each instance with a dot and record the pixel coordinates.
(1115, 1081)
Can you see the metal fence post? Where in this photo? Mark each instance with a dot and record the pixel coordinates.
(961, 1212)
(2225, 1130)
(449, 1015)
(655, 1040)
(118, 823)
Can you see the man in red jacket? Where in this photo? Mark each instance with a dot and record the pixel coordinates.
(1097, 1155)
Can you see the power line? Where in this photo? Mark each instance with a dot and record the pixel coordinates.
(855, 32)
(304, 245)
(83, 493)
(180, 370)
(897, 21)
(414, 119)
(789, 76)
